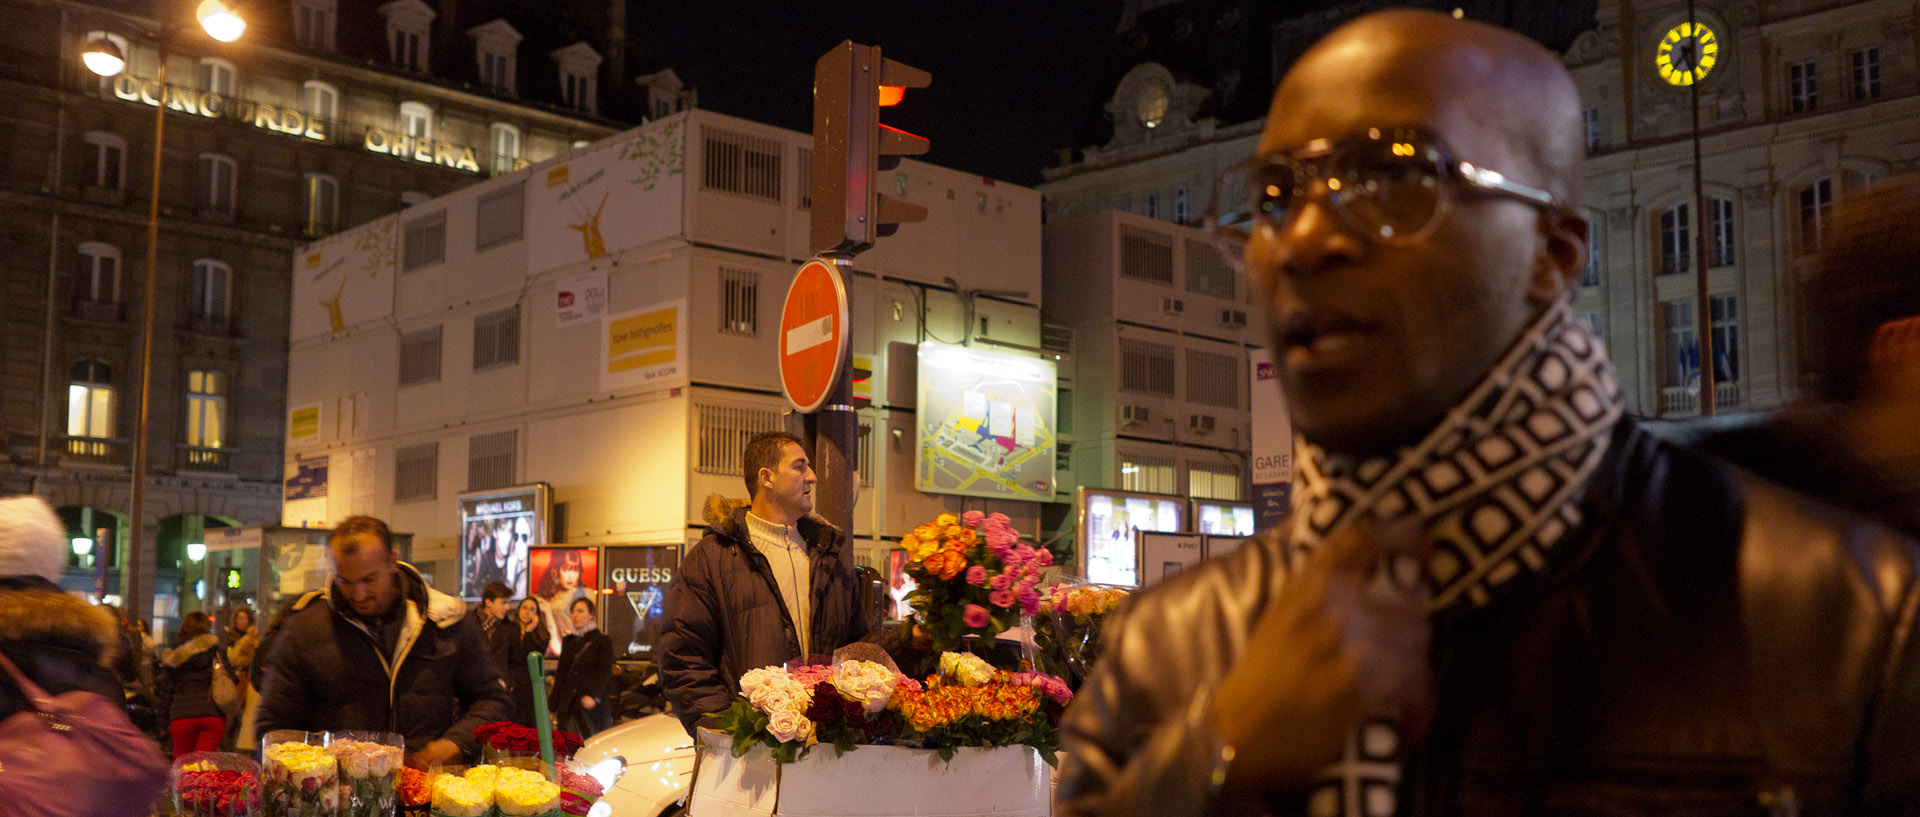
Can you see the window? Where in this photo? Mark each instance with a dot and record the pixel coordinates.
(734, 162)
(407, 39)
(98, 279)
(504, 140)
(212, 290)
(313, 23)
(723, 435)
(219, 179)
(106, 160)
(1180, 206)
(578, 65)
(1683, 355)
(1866, 74)
(499, 217)
(1804, 93)
(1153, 205)
(496, 339)
(425, 241)
(1207, 272)
(1816, 213)
(416, 119)
(416, 469)
(739, 302)
(420, 357)
(1593, 127)
(206, 408)
(490, 460)
(1213, 380)
(1725, 320)
(1154, 475)
(1146, 256)
(323, 204)
(1590, 277)
(217, 76)
(1146, 368)
(90, 400)
(1211, 483)
(495, 71)
(1676, 244)
(323, 101)
(1722, 249)
(806, 178)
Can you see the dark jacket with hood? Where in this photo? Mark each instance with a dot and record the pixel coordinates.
(725, 615)
(59, 641)
(186, 683)
(324, 671)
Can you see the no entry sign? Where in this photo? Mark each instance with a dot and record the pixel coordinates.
(813, 335)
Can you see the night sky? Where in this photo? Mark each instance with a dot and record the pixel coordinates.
(1013, 81)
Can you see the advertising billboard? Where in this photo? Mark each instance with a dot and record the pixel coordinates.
(986, 424)
(1216, 518)
(560, 575)
(497, 528)
(1108, 521)
(636, 611)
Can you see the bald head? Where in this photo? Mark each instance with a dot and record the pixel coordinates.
(1494, 96)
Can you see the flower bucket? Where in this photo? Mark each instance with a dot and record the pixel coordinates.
(369, 764)
(302, 777)
(869, 781)
(215, 784)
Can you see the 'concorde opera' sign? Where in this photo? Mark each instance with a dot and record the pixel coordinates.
(292, 122)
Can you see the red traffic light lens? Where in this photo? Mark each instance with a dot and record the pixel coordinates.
(891, 95)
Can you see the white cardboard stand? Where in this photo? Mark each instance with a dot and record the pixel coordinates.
(870, 781)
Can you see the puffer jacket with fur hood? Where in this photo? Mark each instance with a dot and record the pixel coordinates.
(187, 684)
(58, 640)
(725, 615)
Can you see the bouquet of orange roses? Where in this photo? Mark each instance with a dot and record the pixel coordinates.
(972, 575)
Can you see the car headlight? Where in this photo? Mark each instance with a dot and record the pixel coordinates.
(608, 771)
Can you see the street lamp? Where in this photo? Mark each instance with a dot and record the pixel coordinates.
(102, 57)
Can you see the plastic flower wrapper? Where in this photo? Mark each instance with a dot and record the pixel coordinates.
(456, 796)
(525, 793)
(965, 669)
(216, 784)
(1066, 628)
(973, 576)
(578, 789)
(369, 771)
(302, 777)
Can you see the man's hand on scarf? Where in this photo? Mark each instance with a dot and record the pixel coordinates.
(1338, 644)
(438, 753)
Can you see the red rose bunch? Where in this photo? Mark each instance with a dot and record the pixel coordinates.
(508, 736)
(219, 793)
(578, 792)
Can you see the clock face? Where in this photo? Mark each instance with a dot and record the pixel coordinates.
(1687, 53)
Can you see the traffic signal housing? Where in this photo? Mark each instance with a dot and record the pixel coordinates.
(851, 83)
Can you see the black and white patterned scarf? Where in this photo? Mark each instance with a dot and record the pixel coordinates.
(1497, 482)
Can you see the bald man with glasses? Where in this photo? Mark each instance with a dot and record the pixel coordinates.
(1496, 593)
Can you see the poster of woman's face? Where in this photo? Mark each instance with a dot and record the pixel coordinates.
(561, 575)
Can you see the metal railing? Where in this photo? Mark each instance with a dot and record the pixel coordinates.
(97, 450)
(1681, 401)
(201, 458)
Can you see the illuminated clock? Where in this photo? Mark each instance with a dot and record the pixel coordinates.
(1687, 53)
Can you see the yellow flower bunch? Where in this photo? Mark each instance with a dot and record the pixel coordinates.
(460, 797)
(302, 760)
(940, 546)
(524, 793)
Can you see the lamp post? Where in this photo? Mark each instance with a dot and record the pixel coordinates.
(102, 57)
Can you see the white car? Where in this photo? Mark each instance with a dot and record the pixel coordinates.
(645, 765)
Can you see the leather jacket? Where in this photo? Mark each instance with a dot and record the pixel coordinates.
(1709, 643)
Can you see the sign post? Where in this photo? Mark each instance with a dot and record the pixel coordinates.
(815, 358)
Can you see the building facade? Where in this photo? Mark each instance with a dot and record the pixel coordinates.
(609, 324)
(303, 126)
(1799, 104)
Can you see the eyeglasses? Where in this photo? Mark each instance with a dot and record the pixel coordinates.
(1392, 185)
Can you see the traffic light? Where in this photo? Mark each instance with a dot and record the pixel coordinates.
(851, 83)
(233, 578)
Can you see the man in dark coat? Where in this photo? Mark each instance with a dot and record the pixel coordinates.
(491, 618)
(770, 582)
(1496, 594)
(380, 650)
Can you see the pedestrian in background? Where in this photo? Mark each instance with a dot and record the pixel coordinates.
(186, 684)
(491, 617)
(530, 637)
(579, 702)
(242, 643)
